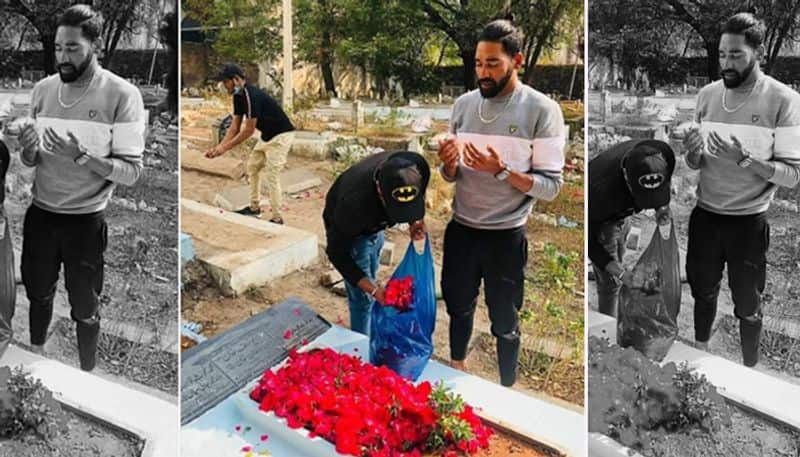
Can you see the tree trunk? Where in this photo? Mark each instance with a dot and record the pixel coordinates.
(326, 48)
(326, 64)
(21, 38)
(49, 52)
(468, 66)
(712, 59)
(121, 25)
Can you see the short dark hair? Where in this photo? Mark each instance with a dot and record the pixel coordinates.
(748, 25)
(83, 16)
(503, 32)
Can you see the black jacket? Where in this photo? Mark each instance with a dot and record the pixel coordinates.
(353, 208)
(609, 197)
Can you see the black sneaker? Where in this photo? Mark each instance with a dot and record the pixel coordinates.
(247, 211)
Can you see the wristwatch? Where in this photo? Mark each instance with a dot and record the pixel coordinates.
(83, 158)
(503, 174)
(746, 161)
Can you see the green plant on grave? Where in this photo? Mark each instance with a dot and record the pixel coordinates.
(555, 271)
(26, 405)
(449, 426)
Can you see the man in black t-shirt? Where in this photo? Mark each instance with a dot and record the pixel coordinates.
(277, 133)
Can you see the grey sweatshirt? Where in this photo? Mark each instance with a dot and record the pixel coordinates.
(529, 135)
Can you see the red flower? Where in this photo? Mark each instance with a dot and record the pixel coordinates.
(365, 411)
(287, 334)
(400, 293)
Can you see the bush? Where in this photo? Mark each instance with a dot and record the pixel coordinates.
(26, 405)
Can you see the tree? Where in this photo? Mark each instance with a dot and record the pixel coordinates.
(16, 33)
(317, 26)
(42, 15)
(385, 38)
(122, 19)
(243, 30)
(707, 16)
(462, 21)
(546, 24)
(782, 19)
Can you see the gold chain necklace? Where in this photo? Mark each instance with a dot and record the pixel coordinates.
(70, 105)
(489, 121)
(725, 104)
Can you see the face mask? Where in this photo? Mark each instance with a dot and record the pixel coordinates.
(237, 90)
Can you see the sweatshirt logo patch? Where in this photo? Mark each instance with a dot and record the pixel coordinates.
(651, 180)
(405, 194)
(92, 113)
(756, 117)
(512, 129)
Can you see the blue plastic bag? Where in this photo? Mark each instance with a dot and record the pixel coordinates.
(403, 341)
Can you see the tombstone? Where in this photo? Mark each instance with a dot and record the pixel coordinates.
(358, 114)
(605, 105)
(218, 367)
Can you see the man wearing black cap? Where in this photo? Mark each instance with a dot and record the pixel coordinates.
(277, 133)
(627, 178)
(381, 190)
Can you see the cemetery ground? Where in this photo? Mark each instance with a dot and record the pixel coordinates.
(139, 336)
(781, 340)
(552, 316)
(628, 116)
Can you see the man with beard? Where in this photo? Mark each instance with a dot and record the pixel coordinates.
(747, 145)
(261, 112)
(91, 123)
(506, 151)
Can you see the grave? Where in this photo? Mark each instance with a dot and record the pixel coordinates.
(220, 366)
(224, 427)
(150, 418)
(192, 158)
(775, 399)
(292, 182)
(312, 145)
(241, 251)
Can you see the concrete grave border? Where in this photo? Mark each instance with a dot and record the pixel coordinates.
(300, 249)
(153, 420)
(775, 399)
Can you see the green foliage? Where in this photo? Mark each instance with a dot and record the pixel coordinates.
(449, 425)
(249, 30)
(547, 25)
(26, 405)
(556, 269)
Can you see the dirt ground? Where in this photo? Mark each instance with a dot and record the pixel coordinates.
(201, 301)
(747, 436)
(780, 348)
(82, 438)
(139, 298)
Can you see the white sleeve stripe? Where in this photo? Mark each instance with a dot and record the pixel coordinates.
(548, 153)
(249, 106)
(128, 135)
(787, 142)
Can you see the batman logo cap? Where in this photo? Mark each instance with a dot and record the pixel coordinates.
(648, 169)
(403, 179)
